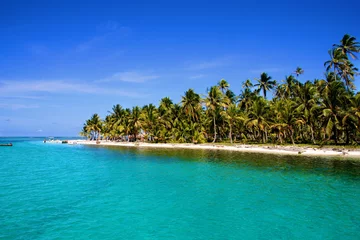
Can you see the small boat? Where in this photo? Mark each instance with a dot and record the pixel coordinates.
(5, 144)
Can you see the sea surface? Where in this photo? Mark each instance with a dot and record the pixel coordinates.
(59, 191)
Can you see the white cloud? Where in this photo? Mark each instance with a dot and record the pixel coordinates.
(37, 49)
(4, 95)
(105, 31)
(14, 106)
(108, 26)
(267, 70)
(197, 76)
(39, 130)
(133, 77)
(8, 88)
(209, 64)
(89, 44)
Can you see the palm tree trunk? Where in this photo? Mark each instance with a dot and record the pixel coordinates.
(266, 135)
(230, 134)
(312, 134)
(214, 130)
(264, 91)
(292, 137)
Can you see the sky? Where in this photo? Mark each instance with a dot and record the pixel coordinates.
(62, 61)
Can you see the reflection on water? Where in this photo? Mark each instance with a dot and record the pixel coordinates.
(330, 165)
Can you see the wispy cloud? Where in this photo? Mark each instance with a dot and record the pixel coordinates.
(9, 95)
(39, 130)
(197, 76)
(38, 49)
(104, 31)
(60, 87)
(84, 46)
(267, 70)
(108, 26)
(208, 64)
(14, 106)
(133, 77)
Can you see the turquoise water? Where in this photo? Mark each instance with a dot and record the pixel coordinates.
(55, 191)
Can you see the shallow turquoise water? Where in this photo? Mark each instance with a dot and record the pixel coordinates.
(55, 191)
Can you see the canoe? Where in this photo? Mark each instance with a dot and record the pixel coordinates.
(5, 144)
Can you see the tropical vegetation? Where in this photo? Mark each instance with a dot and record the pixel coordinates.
(319, 111)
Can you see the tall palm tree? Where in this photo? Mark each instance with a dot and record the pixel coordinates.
(290, 83)
(94, 125)
(136, 121)
(231, 115)
(314, 111)
(307, 104)
(223, 85)
(333, 98)
(265, 83)
(348, 46)
(257, 118)
(149, 117)
(117, 115)
(286, 119)
(247, 84)
(230, 95)
(348, 72)
(213, 101)
(191, 104)
(337, 59)
(299, 71)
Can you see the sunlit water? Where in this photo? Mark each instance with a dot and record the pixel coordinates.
(56, 191)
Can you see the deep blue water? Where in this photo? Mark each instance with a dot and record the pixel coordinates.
(56, 191)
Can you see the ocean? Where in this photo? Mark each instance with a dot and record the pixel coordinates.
(60, 191)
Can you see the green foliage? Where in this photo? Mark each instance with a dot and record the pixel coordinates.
(322, 111)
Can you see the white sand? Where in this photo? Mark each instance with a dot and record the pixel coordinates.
(285, 150)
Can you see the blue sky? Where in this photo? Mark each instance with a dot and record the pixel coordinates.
(62, 61)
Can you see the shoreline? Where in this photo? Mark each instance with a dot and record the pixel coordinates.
(276, 149)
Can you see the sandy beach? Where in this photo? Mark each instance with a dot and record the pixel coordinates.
(276, 149)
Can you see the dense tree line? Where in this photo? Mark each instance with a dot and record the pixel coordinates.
(322, 111)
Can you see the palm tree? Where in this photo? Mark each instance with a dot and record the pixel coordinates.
(348, 46)
(149, 117)
(213, 102)
(337, 59)
(289, 85)
(265, 83)
(191, 104)
(230, 95)
(94, 126)
(231, 115)
(333, 98)
(348, 72)
(314, 111)
(298, 71)
(257, 118)
(223, 85)
(116, 116)
(307, 104)
(247, 84)
(135, 121)
(286, 119)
